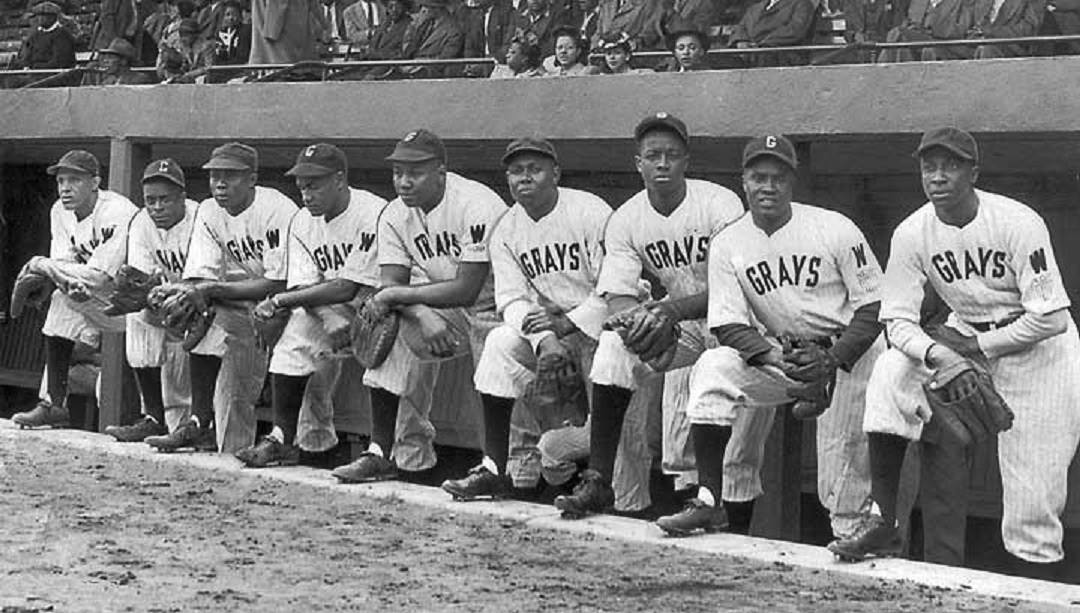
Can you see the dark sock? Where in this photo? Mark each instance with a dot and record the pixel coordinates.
(497, 412)
(149, 383)
(709, 444)
(204, 373)
(58, 360)
(286, 395)
(886, 460)
(739, 515)
(384, 409)
(608, 412)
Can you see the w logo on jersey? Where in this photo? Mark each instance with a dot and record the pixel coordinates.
(860, 255)
(477, 232)
(1038, 260)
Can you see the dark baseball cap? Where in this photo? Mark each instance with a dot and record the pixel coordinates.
(319, 160)
(530, 145)
(418, 146)
(664, 121)
(77, 160)
(772, 145)
(954, 139)
(168, 169)
(233, 156)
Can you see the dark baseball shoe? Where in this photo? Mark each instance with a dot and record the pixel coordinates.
(875, 540)
(479, 483)
(592, 495)
(368, 467)
(44, 415)
(138, 431)
(695, 516)
(269, 452)
(187, 436)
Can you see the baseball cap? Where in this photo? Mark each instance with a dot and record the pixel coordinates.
(168, 169)
(47, 8)
(773, 145)
(318, 160)
(418, 146)
(954, 139)
(663, 121)
(77, 160)
(531, 145)
(233, 156)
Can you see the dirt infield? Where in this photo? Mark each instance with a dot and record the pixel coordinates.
(89, 531)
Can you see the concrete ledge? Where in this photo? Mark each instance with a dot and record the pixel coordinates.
(619, 528)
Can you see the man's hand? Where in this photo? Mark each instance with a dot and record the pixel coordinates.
(77, 291)
(939, 357)
(542, 320)
(550, 345)
(265, 310)
(773, 357)
(436, 333)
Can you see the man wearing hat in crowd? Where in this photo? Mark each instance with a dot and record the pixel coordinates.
(773, 23)
(89, 228)
(114, 66)
(786, 274)
(188, 57)
(433, 34)
(662, 231)
(236, 258)
(991, 260)
(331, 255)
(158, 245)
(435, 270)
(50, 45)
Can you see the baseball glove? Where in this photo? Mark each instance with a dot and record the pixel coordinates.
(963, 397)
(183, 312)
(132, 286)
(649, 331)
(373, 333)
(30, 289)
(814, 368)
(556, 397)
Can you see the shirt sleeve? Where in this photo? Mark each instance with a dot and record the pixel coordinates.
(490, 208)
(857, 264)
(727, 304)
(115, 224)
(1037, 276)
(206, 260)
(510, 283)
(392, 248)
(140, 247)
(276, 257)
(621, 267)
(902, 295)
(60, 245)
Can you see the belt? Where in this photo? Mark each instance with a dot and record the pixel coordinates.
(986, 326)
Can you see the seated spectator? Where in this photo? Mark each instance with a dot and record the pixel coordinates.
(1006, 19)
(931, 20)
(689, 51)
(697, 14)
(331, 21)
(284, 31)
(590, 22)
(388, 40)
(570, 56)
(362, 19)
(617, 54)
(640, 19)
(114, 66)
(124, 19)
(523, 60)
(49, 45)
(536, 24)
(488, 27)
(154, 25)
(188, 58)
(233, 40)
(867, 21)
(210, 17)
(434, 34)
(774, 23)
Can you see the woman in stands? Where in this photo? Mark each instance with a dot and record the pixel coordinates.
(523, 60)
(571, 55)
(617, 54)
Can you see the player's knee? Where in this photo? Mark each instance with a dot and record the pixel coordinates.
(720, 359)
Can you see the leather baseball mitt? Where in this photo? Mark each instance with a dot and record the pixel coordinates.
(557, 396)
(963, 397)
(814, 368)
(30, 289)
(132, 287)
(183, 312)
(649, 331)
(373, 332)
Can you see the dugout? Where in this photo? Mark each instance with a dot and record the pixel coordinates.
(855, 127)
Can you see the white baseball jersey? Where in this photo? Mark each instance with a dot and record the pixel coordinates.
(100, 239)
(805, 280)
(250, 245)
(674, 248)
(557, 257)
(344, 247)
(155, 250)
(455, 231)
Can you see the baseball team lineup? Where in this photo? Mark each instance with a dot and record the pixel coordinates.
(709, 310)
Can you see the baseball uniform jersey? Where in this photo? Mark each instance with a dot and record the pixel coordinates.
(100, 239)
(343, 247)
(155, 250)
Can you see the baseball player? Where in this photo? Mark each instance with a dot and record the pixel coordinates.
(331, 254)
(805, 275)
(89, 227)
(435, 270)
(664, 230)
(545, 257)
(158, 245)
(990, 259)
(236, 257)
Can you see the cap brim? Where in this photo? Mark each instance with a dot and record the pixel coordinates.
(225, 164)
(411, 156)
(55, 168)
(168, 178)
(307, 169)
(772, 154)
(948, 147)
(538, 151)
(652, 124)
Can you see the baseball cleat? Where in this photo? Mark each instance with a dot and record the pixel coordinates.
(876, 540)
(479, 483)
(696, 516)
(592, 495)
(368, 467)
(269, 452)
(44, 415)
(138, 431)
(187, 436)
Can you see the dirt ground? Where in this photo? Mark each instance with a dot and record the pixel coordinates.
(86, 531)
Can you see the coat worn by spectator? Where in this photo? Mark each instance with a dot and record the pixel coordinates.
(233, 39)
(114, 66)
(49, 45)
(1006, 19)
(210, 17)
(641, 20)
(870, 20)
(932, 20)
(122, 19)
(434, 34)
(774, 23)
(1064, 16)
(188, 58)
(331, 21)
(388, 40)
(536, 24)
(362, 19)
(283, 31)
(488, 29)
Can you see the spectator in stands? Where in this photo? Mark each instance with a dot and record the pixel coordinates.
(868, 21)
(774, 23)
(1064, 17)
(155, 23)
(488, 28)
(210, 17)
(49, 45)
(362, 19)
(332, 21)
(188, 58)
(123, 19)
(536, 24)
(931, 20)
(697, 14)
(388, 40)
(1006, 19)
(689, 50)
(571, 55)
(617, 54)
(233, 40)
(283, 31)
(523, 60)
(114, 66)
(433, 34)
(165, 28)
(590, 22)
(640, 19)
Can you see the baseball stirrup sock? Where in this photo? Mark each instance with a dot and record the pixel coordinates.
(149, 382)
(886, 461)
(58, 360)
(384, 410)
(287, 394)
(710, 442)
(609, 410)
(497, 413)
(204, 373)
